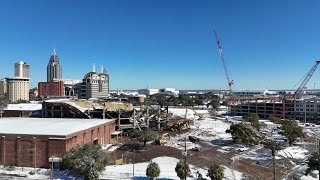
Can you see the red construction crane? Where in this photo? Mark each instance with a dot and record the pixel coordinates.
(230, 82)
(299, 91)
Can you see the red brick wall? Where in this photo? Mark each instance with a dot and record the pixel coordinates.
(52, 88)
(88, 136)
(27, 151)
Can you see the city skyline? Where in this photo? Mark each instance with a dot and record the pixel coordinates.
(267, 45)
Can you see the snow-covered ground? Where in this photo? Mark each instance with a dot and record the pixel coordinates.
(206, 130)
(295, 152)
(28, 173)
(167, 170)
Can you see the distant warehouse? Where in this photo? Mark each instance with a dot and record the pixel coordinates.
(31, 142)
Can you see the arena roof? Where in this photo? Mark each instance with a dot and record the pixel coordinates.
(47, 126)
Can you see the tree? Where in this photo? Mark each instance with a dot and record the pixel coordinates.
(273, 146)
(253, 118)
(313, 162)
(86, 160)
(182, 170)
(214, 103)
(3, 103)
(144, 135)
(199, 102)
(291, 130)
(153, 170)
(274, 119)
(215, 172)
(244, 132)
(224, 103)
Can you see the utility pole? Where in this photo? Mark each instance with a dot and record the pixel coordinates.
(185, 159)
(274, 161)
(51, 168)
(104, 111)
(134, 160)
(119, 117)
(134, 118)
(159, 125)
(319, 159)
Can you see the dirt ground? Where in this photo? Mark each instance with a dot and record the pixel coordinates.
(253, 169)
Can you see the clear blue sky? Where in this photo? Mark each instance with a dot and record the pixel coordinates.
(165, 43)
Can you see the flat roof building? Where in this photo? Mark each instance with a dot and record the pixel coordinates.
(18, 89)
(30, 142)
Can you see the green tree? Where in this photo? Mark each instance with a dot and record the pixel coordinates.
(182, 170)
(253, 118)
(224, 103)
(144, 135)
(214, 103)
(291, 130)
(273, 146)
(274, 119)
(86, 160)
(215, 172)
(313, 162)
(3, 103)
(244, 133)
(199, 102)
(153, 170)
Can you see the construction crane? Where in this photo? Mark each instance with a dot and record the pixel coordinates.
(299, 92)
(230, 82)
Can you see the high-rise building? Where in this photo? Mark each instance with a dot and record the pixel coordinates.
(54, 68)
(95, 85)
(18, 87)
(21, 70)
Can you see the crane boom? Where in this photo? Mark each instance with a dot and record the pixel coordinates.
(230, 82)
(299, 91)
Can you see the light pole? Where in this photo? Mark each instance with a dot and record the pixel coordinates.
(319, 158)
(185, 159)
(134, 160)
(51, 168)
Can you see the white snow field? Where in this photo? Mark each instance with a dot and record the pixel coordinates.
(167, 170)
(206, 130)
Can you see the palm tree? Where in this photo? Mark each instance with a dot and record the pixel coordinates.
(215, 172)
(153, 170)
(182, 170)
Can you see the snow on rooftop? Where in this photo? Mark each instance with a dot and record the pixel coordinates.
(24, 107)
(47, 126)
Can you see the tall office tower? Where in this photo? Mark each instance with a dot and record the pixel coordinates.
(95, 85)
(22, 70)
(54, 69)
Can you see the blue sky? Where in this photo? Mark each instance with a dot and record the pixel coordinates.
(168, 43)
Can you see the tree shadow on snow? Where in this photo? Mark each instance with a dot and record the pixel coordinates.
(222, 142)
(146, 178)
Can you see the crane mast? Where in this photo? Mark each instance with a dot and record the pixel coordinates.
(299, 91)
(230, 82)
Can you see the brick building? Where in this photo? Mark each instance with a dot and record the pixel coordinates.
(53, 88)
(30, 142)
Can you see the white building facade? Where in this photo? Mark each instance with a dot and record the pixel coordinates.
(95, 85)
